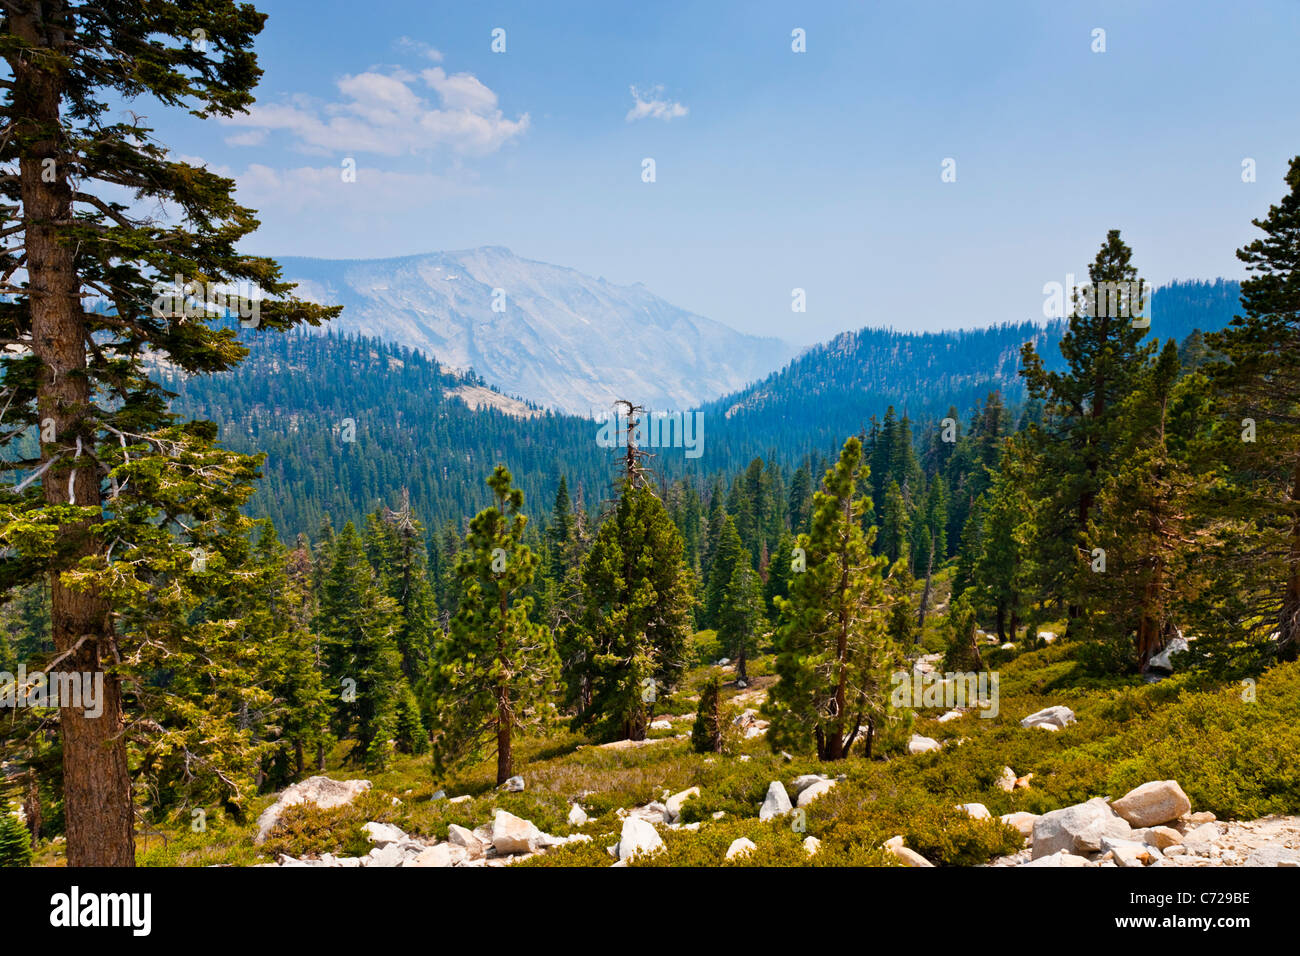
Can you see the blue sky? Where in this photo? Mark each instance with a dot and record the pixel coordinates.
(774, 169)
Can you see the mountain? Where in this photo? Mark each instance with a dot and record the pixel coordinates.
(834, 389)
(557, 337)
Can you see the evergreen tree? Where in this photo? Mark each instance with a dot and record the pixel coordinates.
(358, 625)
(636, 606)
(1259, 379)
(706, 732)
(78, 377)
(493, 670)
(730, 552)
(833, 648)
(895, 525)
(740, 618)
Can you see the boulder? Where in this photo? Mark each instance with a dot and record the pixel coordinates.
(390, 854)
(381, 833)
(1162, 837)
(673, 805)
(1078, 829)
(459, 836)
(438, 855)
(638, 837)
(1205, 833)
(976, 811)
(741, 847)
(661, 724)
(515, 784)
(804, 781)
(510, 834)
(652, 812)
(950, 715)
(776, 803)
(819, 789)
(1050, 718)
(1129, 853)
(321, 791)
(1153, 803)
(1063, 858)
(577, 816)
(921, 745)
(1022, 821)
(1164, 660)
(811, 845)
(908, 856)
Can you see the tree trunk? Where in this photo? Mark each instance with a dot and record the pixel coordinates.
(97, 787)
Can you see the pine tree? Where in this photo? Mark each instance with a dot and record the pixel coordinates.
(15, 841)
(1104, 354)
(495, 667)
(740, 617)
(1259, 380)
(706, 732)
(833, 649)
(636, 606)
(76, 376)
(358, 625)
(729, 552)
(895, 525)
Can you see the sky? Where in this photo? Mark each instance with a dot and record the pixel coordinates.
(774, 170)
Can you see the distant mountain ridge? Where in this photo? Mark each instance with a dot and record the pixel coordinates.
(542, 332)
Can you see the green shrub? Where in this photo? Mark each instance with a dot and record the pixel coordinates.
(15, 841)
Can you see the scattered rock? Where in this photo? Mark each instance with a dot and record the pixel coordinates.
(1077, 829)
(438, 855)
(1063, 858)
(811, 845)
(473, 846)
(921, 745)
(741, 847)
(382, 833)
(1162, 837)
(950, 715)
(1153, 803)
(661, 725)
(1007, 780)
(515, 784)
(577, 816)
(1022, 821)
(510, 834)
(1050, 718)
(320, 790)
(638, 837)
(673, 805)
(804, 781)
(814, 791)
(776, 803)
(976, 811)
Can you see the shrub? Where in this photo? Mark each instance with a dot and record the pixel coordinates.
(15, 842)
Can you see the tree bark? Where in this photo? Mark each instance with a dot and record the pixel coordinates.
(1288, 637)
(97, 785)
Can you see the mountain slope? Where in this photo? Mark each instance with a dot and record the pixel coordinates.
(558, 337)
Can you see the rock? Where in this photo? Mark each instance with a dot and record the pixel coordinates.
(382, 833)
(908, 856)
(921, 745)
(510, 834)
(577, 816)
(976, 811)
(461, 837)
(1008, 646)
(460, 799)
(817, 790)
(1063, 858)
(661, 725)
(804, 781)
(1050, 718)
(1022, 783)
(1164, 660)
(1129, 853)
(950, 715)
(1162, 837)
(741, 847)
(1205, 833)
(440, 854)
(437, 795)
(515, 784)
(638, 837)
(673, 805)
(1202, 816)
(1273, 856)
(724, 662)
(321, 791)
(1047, 637)
(1022, 821)
(811, 845)
(1007, 780)
(390, 854)
(776, 803)
(1153, 803)
(719, 814)
(1077, 829)
(652, 812)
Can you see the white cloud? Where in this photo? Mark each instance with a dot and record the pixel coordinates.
(322, 190)
(653, 105)
(382, 113)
